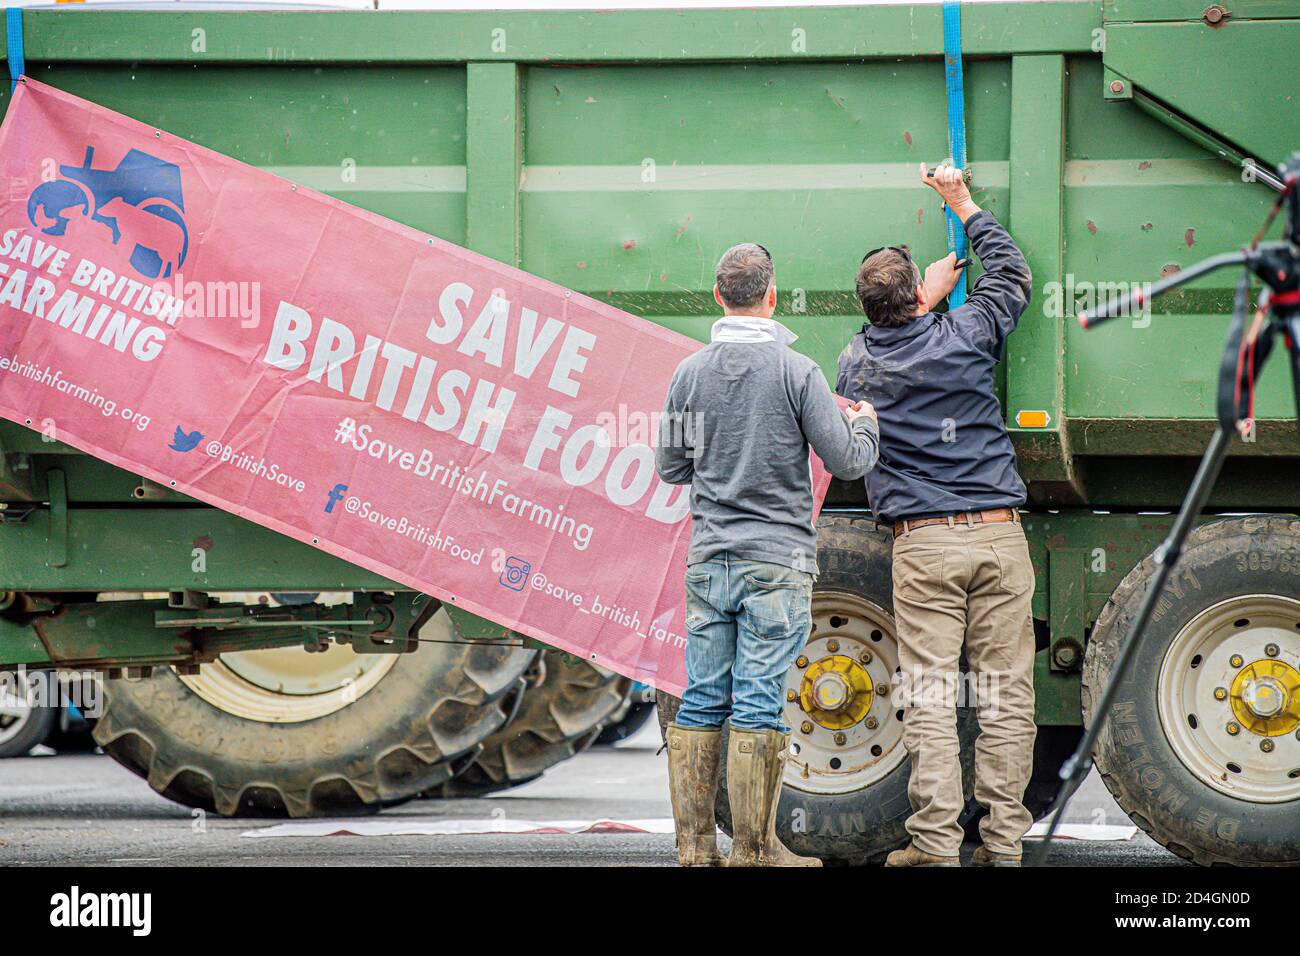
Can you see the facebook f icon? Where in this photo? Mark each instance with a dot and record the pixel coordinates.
(335, 496)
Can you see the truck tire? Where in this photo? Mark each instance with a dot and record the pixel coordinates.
(1202, 746)
(226, 743)
(566, 702)
(847, 803)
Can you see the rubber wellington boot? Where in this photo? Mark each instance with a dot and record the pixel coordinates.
(755, 766)
(693, 757)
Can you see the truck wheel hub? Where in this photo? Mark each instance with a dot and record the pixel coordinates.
(1228, 695)
(836, 692)
(1266, 698)
(846, 734)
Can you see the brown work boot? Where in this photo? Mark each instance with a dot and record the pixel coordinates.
(983, 856)
(755, 766)
(693, 756)
(911, 855)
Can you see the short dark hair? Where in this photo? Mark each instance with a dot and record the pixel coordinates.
(886, 288)
(744, 274)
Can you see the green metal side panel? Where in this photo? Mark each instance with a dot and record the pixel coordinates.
(1140, 201)
(390, 139)
(165, 549)
(556, 36)
(494, 144)
(1035, 350)
(636, 180)
(1237, 76)
(621, 153)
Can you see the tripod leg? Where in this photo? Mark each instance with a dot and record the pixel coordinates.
(1075, 769)
(1291, 340)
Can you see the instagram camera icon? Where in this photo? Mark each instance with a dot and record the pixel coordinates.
(515, 574)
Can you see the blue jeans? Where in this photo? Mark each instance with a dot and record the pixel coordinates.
(746, 622)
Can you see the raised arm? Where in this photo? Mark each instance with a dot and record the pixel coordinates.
(849, 443)
(1001, 295)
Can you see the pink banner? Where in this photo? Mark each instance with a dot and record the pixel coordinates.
(460, 426)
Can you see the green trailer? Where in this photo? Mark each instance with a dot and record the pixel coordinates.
(619, 154)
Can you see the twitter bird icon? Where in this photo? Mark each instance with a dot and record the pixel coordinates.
(185, 441)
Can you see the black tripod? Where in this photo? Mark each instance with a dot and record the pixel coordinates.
(1277, 317)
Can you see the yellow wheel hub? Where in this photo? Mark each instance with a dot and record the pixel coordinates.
(1265, 697)
(836, 692)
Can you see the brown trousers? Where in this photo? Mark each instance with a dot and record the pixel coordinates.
(955, 584)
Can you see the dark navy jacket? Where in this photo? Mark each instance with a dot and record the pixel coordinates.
(944, 446)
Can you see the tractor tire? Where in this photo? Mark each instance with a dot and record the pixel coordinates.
(566, 702)
(1202, 746)
(220, 744)
(847, 803)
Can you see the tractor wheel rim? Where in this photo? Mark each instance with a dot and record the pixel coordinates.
(845, 732)
(1228, 696)
(289, 685)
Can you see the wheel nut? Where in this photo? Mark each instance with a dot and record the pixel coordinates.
(1235, 660)
(806, 727)
(865, 657)
(1220, 693)
(1271, 650)
(832, 645)
(1266, 746)
(872, 723)
(801, 661)
(1065, 655)
(1233, 730)
(789, 695)
(882, 689)
(840, 738)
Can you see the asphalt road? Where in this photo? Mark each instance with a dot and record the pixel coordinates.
(85, 810)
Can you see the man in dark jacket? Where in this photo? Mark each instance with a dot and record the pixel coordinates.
(947, 483)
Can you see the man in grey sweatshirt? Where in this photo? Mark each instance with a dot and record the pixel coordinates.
(740, 417)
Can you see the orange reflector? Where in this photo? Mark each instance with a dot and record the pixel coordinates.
(1034, 419)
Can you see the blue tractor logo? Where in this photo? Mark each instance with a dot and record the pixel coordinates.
(139, 203)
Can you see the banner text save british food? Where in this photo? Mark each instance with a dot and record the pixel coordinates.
(453, 423)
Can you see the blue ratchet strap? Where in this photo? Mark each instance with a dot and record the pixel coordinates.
(956, 132)
(14, 34)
